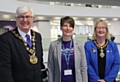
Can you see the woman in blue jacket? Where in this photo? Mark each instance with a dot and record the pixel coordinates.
(102, 55)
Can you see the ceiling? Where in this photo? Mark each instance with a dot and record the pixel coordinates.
(10, 16)
(98, 2)
(55, 20)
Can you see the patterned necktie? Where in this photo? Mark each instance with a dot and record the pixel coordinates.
(29, 42)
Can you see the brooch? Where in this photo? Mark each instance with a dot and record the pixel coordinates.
(94, 50)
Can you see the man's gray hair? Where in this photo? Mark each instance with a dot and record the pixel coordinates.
(23, 9)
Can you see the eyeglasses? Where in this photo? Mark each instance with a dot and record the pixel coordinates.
(27, 17)
(101, 28)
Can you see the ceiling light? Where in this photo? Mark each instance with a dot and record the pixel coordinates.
(89, 18)
(109, 24)
(12, 19)
(114, 6)
(78, 23)
(57, 17)
(89, 22)
(103, 18)
(75, 18)
(79, 4)
(100, 6)
(115, 19)
(40, 17)
(6, 16)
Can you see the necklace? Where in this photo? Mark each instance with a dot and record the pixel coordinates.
(33, 59)
(101, 48)
(67, 53)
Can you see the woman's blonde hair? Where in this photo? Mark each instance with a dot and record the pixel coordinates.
(106, 25)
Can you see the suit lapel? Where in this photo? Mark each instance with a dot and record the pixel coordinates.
(37, 47)
(94, 55)
(59, 52)
(22, 46)
(75, 53)
(108, 48)
(23, 49)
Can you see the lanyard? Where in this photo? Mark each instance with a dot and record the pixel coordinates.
(66, 53)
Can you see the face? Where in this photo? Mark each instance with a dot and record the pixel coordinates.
(101, 30)
(24, 21)
(67, 30)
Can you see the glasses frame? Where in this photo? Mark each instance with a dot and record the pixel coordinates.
(103, 28)
(26, 17)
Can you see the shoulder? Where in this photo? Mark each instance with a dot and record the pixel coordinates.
(56, 42)
(53, 44)
(77, 42)
(112, 44)
(90, 42)
(37, 34)
(6, 35)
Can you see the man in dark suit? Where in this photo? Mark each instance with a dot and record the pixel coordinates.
(21, 53)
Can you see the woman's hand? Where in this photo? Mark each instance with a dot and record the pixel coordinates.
(101, 80)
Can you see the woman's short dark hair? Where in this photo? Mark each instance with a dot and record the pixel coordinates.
(67, 19)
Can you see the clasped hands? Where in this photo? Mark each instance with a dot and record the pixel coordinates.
(101, 80)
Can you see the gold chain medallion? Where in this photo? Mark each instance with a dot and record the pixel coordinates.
(33, 59)
(102, 55)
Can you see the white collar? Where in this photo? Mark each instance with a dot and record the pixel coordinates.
(23, 33)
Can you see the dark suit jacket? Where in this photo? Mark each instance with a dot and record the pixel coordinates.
(14, 60)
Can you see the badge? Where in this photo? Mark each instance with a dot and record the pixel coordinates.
(33, 59)
(68, 72)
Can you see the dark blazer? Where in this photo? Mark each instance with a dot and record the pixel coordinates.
(14, 60)
(112, 61)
